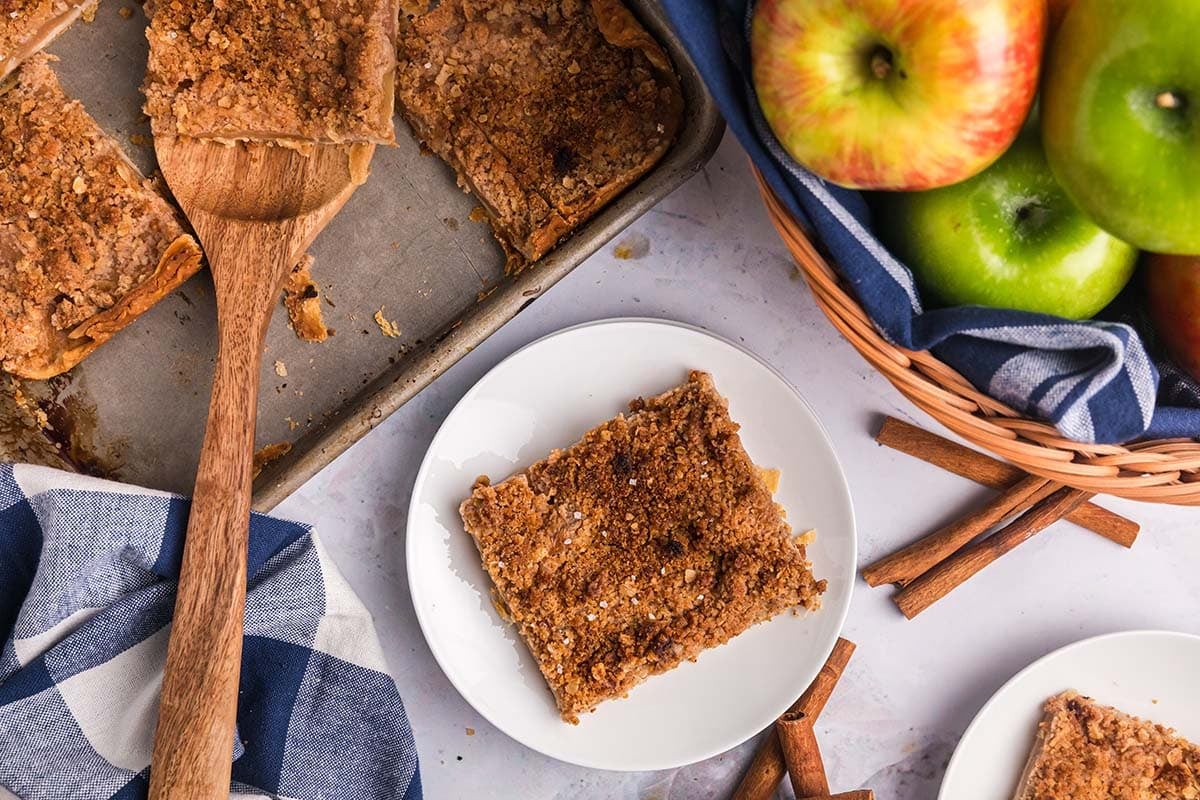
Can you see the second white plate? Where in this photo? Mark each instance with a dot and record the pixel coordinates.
(1150, 674)
(546, 396)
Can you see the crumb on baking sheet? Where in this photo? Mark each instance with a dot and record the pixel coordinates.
(389, 328)
(302, 299)
(272, 452)
(25, 428)
(125, 12)
(280, 368)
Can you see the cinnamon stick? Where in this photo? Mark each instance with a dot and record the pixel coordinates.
(996, 474)
(802, 755)
(954, 571)
(857, 794)
(906, 565)
(767, 768)
(765, 772)
(813, 701)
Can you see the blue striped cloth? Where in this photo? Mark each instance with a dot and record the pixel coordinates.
(1094, 381)
(87, 588)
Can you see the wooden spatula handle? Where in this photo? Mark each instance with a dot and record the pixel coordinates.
(193, 744)
(255, 207)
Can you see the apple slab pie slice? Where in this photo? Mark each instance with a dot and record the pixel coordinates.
(1086, 751)
(86, 243)
(293, 73)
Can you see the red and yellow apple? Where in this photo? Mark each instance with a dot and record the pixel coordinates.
(896, 94)
(1173, 289)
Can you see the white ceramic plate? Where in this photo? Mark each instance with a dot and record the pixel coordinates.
(1150, 674)
(546, 396)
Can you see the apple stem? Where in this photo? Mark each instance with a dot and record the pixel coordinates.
(1168, 99)
(881, 62)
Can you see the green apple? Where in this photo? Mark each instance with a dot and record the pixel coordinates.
(1121, 118)
(1008, 238)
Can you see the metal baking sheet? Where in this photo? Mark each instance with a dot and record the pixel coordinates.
(404, 245)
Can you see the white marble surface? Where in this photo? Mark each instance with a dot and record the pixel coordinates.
(912, 687)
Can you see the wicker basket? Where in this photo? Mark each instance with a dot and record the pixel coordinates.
(1162, 471)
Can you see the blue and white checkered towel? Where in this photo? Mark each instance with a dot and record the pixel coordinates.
(1093, 380)
(87, 588)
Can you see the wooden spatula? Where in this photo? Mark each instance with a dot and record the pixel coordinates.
(256, 208)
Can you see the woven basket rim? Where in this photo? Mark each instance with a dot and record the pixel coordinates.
(1159, 471)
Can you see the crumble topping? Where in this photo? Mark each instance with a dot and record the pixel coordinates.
(546, 109)
(86, 243)
(1086, 751)
(617, 560)
(294, 70)
(26, 26)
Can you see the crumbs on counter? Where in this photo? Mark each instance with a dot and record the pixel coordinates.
(280, 368)
(302, 300)
(633, 246)
(89, 12)
(478, 214)
(125, 12)
(390, 329)
(268, 454)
